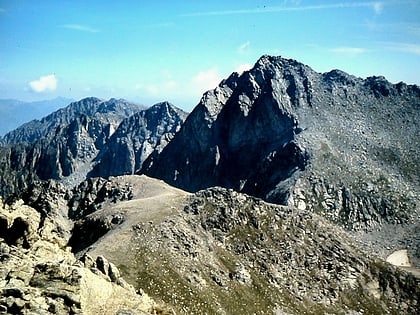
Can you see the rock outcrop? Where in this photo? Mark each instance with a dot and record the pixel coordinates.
(40, 276)
(331, 143)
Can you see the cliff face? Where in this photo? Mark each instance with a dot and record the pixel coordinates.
(331, 143)
(136, 138)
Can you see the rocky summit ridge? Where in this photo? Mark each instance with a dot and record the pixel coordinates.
(213, 252)
(332, 143)
(68, 144)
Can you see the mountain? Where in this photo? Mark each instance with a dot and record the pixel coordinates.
(305, 201)
(111, 112)
(136, 137)
(331, 143)
(77, 141)
(14, 113)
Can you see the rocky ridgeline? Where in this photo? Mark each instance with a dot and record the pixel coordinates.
(220, 252)
(85, 140)
(40, 276)
(331, 143)
(229, 253)
(111, 112)
(136, 138)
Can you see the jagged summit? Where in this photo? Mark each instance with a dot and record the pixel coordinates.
(70, 143)
(136, 138)
(111, 111)
(290, 135)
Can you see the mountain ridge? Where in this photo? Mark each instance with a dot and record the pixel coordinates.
(63, 145)
(265, 131)
(90, 106)
(304, 183)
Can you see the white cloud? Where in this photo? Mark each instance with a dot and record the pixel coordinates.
(206, 80)
(155, 89)
(404, 47)
(44, 83)
(79, 27)
(243, 67)
(378, 7)
(150, 89)
(244, 48)
(351, 51)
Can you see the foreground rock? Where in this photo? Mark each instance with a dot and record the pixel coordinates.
(38, 276)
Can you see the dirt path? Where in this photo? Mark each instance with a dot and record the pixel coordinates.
(400, 259)
(153, 201)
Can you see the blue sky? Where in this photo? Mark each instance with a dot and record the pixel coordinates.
(150, 51)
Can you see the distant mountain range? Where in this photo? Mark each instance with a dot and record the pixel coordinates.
(14, 113)
(68, 144)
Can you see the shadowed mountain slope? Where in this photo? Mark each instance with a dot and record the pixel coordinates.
(136, 137)
(335, 144)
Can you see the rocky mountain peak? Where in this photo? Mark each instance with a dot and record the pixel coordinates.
(109, 112)
(136, 138)
(281, 124)
(62, 145)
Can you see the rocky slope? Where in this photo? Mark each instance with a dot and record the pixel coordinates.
(214, 252)
(136, 137)
(330, 143)
(39, 275)
(223, 252)
(70, 142)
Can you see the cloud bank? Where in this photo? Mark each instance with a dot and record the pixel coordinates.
(44, 84)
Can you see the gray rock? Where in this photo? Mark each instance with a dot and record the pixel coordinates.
(331, 143)
(40, 277)
(136, 138)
